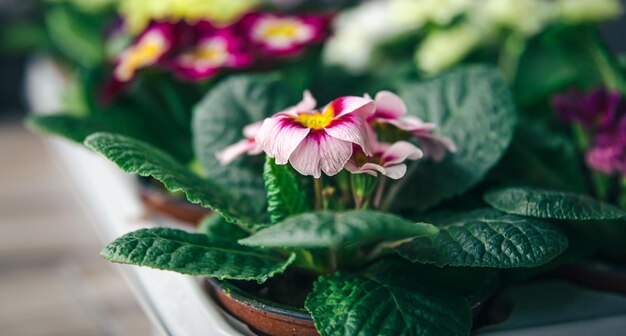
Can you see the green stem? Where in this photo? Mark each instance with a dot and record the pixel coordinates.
(508, 61)
(319, 198)
(380, 191)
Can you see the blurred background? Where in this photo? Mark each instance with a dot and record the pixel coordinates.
(52, 280)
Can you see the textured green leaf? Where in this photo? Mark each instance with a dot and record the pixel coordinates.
(487, 238)
(541, 203)
(350, 305)
(70, 127)
(137, 157)
(217, 227)
(473, 106)
(218, 122)
(285, 195)
(334, 229)
(195, 254)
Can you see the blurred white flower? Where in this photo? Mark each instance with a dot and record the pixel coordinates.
(443, 48)
(583, 11)
(526, 18)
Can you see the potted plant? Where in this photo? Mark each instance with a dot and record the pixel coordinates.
(366, 188)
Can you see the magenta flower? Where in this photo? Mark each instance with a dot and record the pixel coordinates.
(248, 145)
(150, 48)
(594, 110)
(386, 159)
(317, 140)
(390, 109)
(284, 35)
(214, 49)
(608, 152)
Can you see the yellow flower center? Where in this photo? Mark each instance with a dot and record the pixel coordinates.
(145, 53)
(317, 120)
(281, 29)
(211, 54)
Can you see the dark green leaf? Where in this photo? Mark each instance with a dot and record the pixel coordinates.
(218, 122)
(195, 254)
(137, 157)
(334, 229)
(487, 238)
(473, 106)
(285, 195)
(541, 203)
(350, 305)
(217, 227)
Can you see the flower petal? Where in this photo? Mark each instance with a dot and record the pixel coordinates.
(435, 146)
(230, 153)
(351, 104)
(320, 152)
(353, 129)
(410, 124)
(279, 136)
(401, 151)
(389, 106)
(395, 172)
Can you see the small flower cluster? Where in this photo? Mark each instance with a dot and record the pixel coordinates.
(347, 133)
(196, 51)
(602, 113)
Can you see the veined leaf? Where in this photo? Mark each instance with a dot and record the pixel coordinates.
(350, 305)
(195, 254)
(335, 229)
(473, 107)
(218, 122)
(487, 238)
(137, 157)
(217, 227)
(285, 195)
(541, 203)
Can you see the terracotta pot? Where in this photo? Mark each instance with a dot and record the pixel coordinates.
(260, 315)
(165, 204)
(270, 318)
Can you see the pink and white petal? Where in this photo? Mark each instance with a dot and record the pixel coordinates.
(307, 104)
(363, 170)
(410, 124)
(334, 154)
(306, 159)
(352, 129)
(350, 104)
(436, 147)
(251, 130)
(446, 142)
(279, 136)
(395, 172)
(389, 105)
(230, 153)
(401, 151)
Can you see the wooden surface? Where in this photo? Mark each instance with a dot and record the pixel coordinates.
(52, 280)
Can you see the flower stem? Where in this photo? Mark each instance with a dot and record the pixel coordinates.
(319, 198)
(380, 191)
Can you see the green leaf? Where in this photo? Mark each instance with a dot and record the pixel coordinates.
(195, 254)
(70, 127)
(216, 227)
(337, 229)
(350, 305)
(285, 195)
(487, 238)
(541, 203)
(137, 157)
(473, 106)
(218, 122)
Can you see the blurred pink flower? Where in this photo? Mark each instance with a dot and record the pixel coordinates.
(595, 109)
(248, 145)
(284, 35)
(214, 49)
(608, 152)
(149, 48)
(386, 159)
(390, 109)
(317, 140)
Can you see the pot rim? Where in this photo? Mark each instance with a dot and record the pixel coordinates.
(248, 299)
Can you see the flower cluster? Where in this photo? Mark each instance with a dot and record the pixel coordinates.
(347, 133)
(602, 113)
(196, 51)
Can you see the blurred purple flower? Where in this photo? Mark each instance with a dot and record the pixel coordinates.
(596, 109)
(608, 152)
